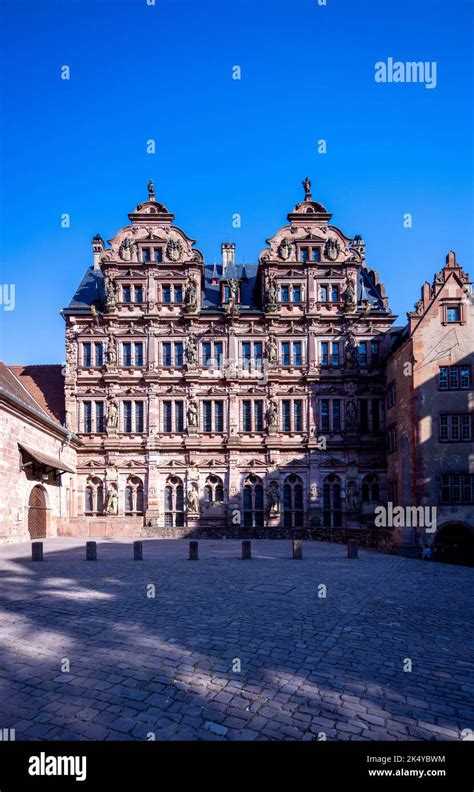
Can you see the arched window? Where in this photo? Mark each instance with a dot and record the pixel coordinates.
(293, 502)
(174, 503)
(332, 510)
(214, 490)
(134, 500)
(370, 488)
(253, 502)
(94, 496)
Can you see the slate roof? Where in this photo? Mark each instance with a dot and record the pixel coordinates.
(91, 289)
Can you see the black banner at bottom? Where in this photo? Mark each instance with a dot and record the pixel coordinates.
(138, 765)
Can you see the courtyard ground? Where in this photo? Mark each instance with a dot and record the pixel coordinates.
(87, 653)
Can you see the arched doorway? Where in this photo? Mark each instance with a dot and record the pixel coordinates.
(37, 513)
(454, 544)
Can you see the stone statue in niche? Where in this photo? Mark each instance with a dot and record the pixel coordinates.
(190, 295)
(352, 421)
(271, 351)
(112, 502)
(352, 497)
(284, 250)
(111, 354)
(272, 413)
(271, 295)
(274, 498)
(351, 354)
(349, 296)
(126, 249)
(110, 297)
(112, 417)
(192, 414)
(193, 499)
(332, 249)
(191, 351)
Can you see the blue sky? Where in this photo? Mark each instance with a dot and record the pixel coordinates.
(222, 145)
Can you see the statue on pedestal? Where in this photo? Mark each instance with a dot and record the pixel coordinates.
(110, 297)
(352, 421)
(112, 418)
(272, 413)
(271, 351)
(191, 351)
(190, 294)
(112, 502)
(192, 498)
(192, 414)
(350, 303)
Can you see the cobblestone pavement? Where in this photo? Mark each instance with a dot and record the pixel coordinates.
(168, 665)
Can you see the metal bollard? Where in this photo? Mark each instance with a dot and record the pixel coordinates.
(194, 551)
(246, 550)
(37, 551)
(297, 548)
(352, 548)
(138, 551)
(91, 551)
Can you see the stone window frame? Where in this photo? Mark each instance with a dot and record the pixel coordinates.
(291, 283)
(253, 517)
(174, 490)
(174, 362)
(292, 340)
(332, 501)
(292, 485)
(173, 285)
(213, 361)
(173, 403)
(446, 423)
(133, 344)
(135, 489)
(93, 343)
(94, 416)
(213, 489)
(94, 486)
(132, 285)
(133, 402)
(213, 429)
(292, 400)
(252, 400)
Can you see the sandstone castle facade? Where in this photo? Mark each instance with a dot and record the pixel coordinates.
(257, 399)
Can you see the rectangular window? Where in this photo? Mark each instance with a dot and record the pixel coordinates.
(296, 294)
(99, 354)
(375, 415)
(127, 354)
(315, 254)
(138, 294)
(139, 413)
(286, 415)
(297, 357)
(324, 353)
(166, 292)
(392, 438)
(218, 353)
(179, 416)
(99, 416)
(139, 354)
(246, 416)
(455, 428)
(178, 354)
(323, 294)
(225, 294)
(364, 415)
(285, 353)
(457, 488)
(219, 416)
(298, 415)
(334, 293)
(206, 353)
(127, 416)
(145, 254)
(453, 377)
(285, 294)
(126, 294)
(178, 294)
(363, 354)
(444, 377)
(246, 354)
(374, 352)
(158, 253)
(391, 395)
(443, 428)
(304, 254)
(453, 313)
(167, 416)
(335, 354)
(207, 416)
(325, 415)
(258, 415)
(87, 416)
(87, 355)
(336, 415)
(465, 377)
(166, 354)
(257, 353)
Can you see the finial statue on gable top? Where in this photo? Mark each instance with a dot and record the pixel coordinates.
(151, 190)
(307, 189)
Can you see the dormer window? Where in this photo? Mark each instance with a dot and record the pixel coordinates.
(285, 294)
(132, 293)
(158, 254)
(315, 254)
(304, 254)
(145, 254)
(453, 313)
(126, 294)
(138, 294)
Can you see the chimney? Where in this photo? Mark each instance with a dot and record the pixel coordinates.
(97, 248)
(228, 255)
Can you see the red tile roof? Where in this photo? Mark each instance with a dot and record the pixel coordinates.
(46, 386)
